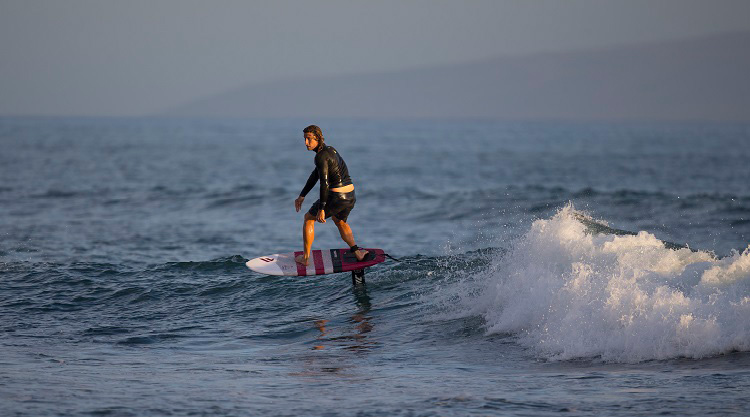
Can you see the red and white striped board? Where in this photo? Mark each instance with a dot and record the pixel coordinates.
(327, 261)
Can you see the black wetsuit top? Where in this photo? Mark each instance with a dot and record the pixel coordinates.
(331, 169)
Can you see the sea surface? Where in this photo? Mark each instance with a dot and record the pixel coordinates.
(533, 277)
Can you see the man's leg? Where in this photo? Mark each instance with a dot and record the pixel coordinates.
(308, 235)
(346, 234)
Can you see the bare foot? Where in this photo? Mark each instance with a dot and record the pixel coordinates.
(300, 259)
(360, 254)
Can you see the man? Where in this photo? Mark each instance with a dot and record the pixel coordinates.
(336, 194)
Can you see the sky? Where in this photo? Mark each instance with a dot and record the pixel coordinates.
(139, 57)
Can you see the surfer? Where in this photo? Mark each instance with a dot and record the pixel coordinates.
(336, 194)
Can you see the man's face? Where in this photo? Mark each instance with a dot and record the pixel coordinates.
(311, 141)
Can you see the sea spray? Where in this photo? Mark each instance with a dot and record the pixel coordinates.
(567, 292)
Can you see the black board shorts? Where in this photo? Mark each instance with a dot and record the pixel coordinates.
(339, 205)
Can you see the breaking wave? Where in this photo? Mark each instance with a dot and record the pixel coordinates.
(568, 289)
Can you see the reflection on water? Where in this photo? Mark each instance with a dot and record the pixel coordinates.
(321, 325)
(353, 336)
(354, 339)
(363, 325)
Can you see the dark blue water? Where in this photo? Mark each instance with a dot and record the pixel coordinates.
(123, 290)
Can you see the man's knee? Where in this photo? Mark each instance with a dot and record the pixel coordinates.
(309, 216)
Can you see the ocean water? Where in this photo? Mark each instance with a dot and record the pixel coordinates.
(534, 278)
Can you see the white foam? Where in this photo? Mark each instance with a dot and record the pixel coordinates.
(570, 294)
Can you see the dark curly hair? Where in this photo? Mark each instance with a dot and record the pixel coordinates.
(315, 130)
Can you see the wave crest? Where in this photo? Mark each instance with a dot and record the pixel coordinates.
(568, 292)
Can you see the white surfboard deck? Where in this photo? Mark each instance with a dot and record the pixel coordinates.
(327, 261)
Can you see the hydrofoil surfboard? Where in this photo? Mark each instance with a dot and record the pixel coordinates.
(327, 261)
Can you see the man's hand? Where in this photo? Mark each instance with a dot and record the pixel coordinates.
(321, 216)
(298, 203)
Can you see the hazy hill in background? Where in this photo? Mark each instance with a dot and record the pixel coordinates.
(706, 79)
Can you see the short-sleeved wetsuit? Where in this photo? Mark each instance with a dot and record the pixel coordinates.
(332, 172)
